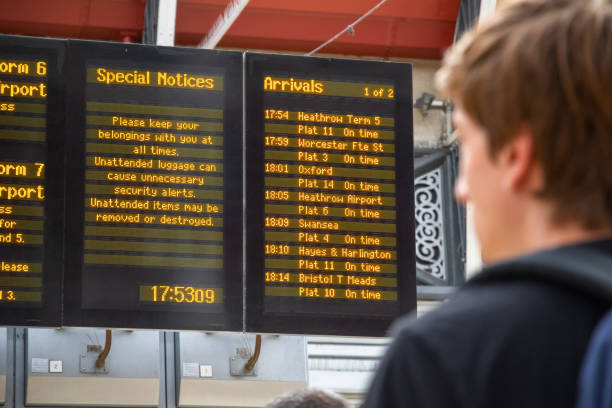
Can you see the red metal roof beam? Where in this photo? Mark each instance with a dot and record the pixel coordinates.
(223, 23)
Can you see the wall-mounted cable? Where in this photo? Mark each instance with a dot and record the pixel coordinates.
(250, 365)
(107, 346)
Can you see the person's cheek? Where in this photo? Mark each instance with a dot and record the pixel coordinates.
(461, 184)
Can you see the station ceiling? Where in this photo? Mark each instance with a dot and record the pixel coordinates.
(399, 28)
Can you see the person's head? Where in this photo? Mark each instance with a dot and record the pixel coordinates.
(532, 88)
(309, 398)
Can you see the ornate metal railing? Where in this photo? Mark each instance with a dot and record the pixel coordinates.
(439, 223)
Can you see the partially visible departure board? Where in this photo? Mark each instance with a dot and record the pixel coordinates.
(330, 241)
(155, 180)
(31, 117)
(123, 188)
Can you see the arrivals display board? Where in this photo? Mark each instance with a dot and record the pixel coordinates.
(330, 246)
(31, 120)
(154, 186)
(185, 189)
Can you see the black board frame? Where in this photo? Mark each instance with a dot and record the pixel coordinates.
(48, 313)
(256, 65)
(177, 319)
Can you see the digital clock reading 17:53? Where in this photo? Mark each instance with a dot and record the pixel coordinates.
(179, 294)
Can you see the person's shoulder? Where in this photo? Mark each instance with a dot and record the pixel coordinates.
(489, 314)
(474, 305)
(487, 333)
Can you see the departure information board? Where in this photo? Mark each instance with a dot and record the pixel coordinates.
(126, 174)
(155, 179)
(30, 182)
(330, 246)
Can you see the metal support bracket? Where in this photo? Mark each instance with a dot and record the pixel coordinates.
(237, 369)
(87, 360)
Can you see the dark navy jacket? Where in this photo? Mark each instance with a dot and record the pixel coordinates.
(514, 336)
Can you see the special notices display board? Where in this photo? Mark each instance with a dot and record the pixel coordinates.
(329, 195)
(155, 187)
(31, 182)
(126, 174)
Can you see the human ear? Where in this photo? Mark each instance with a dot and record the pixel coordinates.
(521, 169)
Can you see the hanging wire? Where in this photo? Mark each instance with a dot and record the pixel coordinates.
(100, 361)
(350, 28)
(245, 341)
(250, 365)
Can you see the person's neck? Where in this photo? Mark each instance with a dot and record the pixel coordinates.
(543, 234)
(562, 236)
(538, 233)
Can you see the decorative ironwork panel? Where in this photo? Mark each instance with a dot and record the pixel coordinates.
(429, 223)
